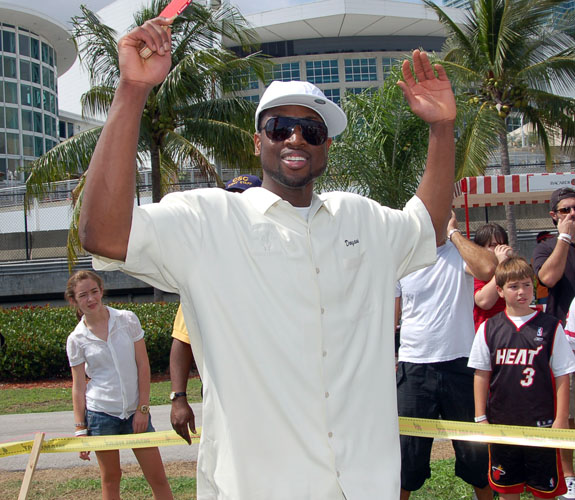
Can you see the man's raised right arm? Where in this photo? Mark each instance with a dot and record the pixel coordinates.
(108, 199)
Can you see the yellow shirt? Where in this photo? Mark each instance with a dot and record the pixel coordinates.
(293, 330)
(180, 331)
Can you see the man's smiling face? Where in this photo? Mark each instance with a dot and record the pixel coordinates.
(291, 165)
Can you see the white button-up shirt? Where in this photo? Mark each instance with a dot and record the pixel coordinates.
(293, 334)
(111, 365)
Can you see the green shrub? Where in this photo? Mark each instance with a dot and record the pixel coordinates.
(36, 339)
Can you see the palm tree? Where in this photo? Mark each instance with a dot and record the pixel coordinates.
(382, 152)
(192, 119)
(512, 57)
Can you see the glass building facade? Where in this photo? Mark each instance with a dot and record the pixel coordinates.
(28, 99)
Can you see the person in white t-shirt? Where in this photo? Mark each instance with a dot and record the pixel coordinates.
(107, 348)
(433, 379)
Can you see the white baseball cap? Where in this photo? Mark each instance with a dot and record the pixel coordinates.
(296, 93)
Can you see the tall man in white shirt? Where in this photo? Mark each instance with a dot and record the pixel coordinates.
(298, 398)
(433, 379)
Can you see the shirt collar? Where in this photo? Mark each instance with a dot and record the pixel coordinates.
(262, 200)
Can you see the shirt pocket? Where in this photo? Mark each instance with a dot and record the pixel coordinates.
(267, 240)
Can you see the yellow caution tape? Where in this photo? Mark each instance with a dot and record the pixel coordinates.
(98, 443)
(488, 433)
(420, 427)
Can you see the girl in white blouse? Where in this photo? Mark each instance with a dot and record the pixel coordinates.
(111, 382)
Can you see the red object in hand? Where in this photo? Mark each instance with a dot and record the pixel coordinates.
(173, 9)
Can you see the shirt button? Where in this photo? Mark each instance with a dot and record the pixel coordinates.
(322, 310)
(317, 270)
(327, 394)
(337, 472)
(324, 354)
(330, 434)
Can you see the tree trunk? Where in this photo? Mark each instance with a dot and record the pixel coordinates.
(509, 209)
(156, 174)
(156, 196)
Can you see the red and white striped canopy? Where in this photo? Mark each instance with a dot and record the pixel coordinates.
(515, 189)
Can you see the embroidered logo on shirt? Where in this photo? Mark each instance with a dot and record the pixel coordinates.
(351, 243)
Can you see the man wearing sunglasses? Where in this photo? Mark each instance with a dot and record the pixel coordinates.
(292, 292)
(554, 264)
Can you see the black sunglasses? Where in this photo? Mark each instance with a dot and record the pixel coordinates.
(279, 128)
(565, 210)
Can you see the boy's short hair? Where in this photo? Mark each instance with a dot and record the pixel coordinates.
(515, 268)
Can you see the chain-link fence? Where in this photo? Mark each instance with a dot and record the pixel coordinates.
(41, 230)
(32, 228)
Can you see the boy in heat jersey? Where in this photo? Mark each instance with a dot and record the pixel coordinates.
(522, 362)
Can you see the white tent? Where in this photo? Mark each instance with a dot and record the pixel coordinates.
(515, 189)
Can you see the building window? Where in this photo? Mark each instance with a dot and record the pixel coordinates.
(38, 146)
(513, 122)
(252, 98)
(360, 70)
(24, 45)
(10, 67)
(285, 72)
(27, 145)
(333, 94)
(12, 118)
(322, 71)
(11, 92)
(35, 48)
(245, 80)
(9, 41)
(13, 144)
(388, 63)
(37, 122)
(66, 129)
(25, 70)
(26, 95)
(27, 120)
(359, 90)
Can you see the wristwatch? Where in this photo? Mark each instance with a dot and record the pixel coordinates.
(145, 409)
(174, 395)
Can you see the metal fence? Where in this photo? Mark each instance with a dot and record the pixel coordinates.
(38, 228)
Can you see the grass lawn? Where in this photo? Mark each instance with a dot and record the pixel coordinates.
(42, 399)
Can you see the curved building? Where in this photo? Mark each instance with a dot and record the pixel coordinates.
(342, 45)
(34, 51)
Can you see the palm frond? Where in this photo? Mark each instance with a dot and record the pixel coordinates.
(478, 140)
(74, 246)
(97, 100)
(98, 48)
(67, 160)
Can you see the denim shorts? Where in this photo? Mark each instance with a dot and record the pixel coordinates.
(102, 424)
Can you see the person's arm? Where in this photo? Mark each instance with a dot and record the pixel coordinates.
(140, 422)
(108, 199)
(79, 401)
(562, 396)
(486, 297)
(479, 262)
(480, 391)
(181, 416)
(554, 267)
(431, 98)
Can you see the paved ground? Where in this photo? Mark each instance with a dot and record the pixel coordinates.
(61, 424)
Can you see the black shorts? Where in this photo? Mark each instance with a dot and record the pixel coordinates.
(436, 390)
(512, 469)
